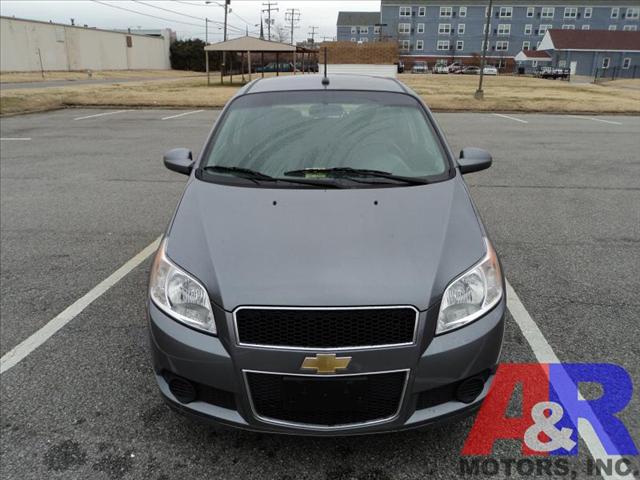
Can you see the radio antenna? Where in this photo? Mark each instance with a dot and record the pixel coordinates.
(325, 79)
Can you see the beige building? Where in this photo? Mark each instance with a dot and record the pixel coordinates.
(29, 45)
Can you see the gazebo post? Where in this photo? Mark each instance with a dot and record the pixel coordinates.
(277, 64)
(242, 65)
(230, 71)
(262, 62)
(206, 62)
(293, 54)
(221, 70)
(249, 63)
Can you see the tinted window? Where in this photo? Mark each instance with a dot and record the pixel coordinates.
(274, 133)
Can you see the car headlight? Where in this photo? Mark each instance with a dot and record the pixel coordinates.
(472, 294)
(179, 294)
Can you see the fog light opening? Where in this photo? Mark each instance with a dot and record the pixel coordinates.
(469, 389)
(182, 389)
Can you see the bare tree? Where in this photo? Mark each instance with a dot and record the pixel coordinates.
(280, 33)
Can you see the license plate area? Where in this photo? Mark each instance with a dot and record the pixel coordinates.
(336, 395)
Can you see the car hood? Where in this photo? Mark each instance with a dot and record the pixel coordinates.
(317, 247)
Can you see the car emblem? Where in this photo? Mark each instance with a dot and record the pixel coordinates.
(325, 363)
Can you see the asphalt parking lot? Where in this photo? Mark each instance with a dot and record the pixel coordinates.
(84, 191)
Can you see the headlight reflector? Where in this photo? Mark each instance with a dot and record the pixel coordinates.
(472, 294)
(179, 294)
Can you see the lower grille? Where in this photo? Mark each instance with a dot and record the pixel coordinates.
(329, 328)
(326, 401)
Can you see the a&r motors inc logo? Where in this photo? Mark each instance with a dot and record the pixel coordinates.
(551, 409)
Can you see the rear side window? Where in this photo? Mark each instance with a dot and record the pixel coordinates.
(274, 133)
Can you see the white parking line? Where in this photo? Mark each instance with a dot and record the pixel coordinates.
(182, 114)
(19, 139)
(101, 114)
(18, 353)
(545, 354)
(509, 117)
(582, 117)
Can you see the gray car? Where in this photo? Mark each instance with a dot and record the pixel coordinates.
(326, 271)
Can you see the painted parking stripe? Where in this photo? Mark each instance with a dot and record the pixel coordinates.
(101, 114)
(509, 117)
(582, 117)
(18, 353)
(545, 354)
(182, 114)
(15, 139)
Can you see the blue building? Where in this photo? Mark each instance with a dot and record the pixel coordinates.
(448, 31)
(358, 26)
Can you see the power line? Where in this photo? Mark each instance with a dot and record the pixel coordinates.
(146, 14)
(312, 33)
(292, 15)
(271, 6)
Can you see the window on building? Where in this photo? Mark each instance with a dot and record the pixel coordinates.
(506, 12)
(405, 45)
(630, 28)
(376, 29)
(364, 30)
(504, 29)
(615, 12)
(444, 29)
(570, 12)
(484, 29)
(419, 44)
(482, 45)
(588, 11)
(443, 45)
(420, 28)
(404, 28)
(364, 39)
(530, 12)
(502, 45)
(461, 28)
(633, 13)
(354, 39)
(626, 63)
(534, 63)
(460, 45)
(528, 28)
(606, 61)
(354, 30)
(586, 27)
(568, 27)
(542, 29)
(526, 45)
(446, 11)
(613, 28)
(463, 11)
(422, 11)
(405, 11)
(548, 12)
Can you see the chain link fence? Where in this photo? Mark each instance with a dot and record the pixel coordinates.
(615, 73)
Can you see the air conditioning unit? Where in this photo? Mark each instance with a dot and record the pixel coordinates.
(538, 14)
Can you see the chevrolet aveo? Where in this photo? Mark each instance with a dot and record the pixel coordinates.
(326, 271)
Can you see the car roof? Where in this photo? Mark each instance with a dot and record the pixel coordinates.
(314, 82)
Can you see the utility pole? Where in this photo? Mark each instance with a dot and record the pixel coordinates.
(226, 12)
(292, 15)
(271, 6)
(479, 95)
(312, 34)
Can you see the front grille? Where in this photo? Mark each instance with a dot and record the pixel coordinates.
(326, 401)
(326, 328)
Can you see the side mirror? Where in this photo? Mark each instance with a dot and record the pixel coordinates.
(474, 159)
(179, 160)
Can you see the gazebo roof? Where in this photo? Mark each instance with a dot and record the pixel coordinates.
(250, 44)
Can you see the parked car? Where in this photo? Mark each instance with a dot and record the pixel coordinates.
(455, 67)
(470, 70)
(553, 73)
(420, 67)
(273, 67)
(320, 278)
(308, 66)
(490, 70)
(441, 68)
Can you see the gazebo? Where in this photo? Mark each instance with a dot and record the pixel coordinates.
(248, 45)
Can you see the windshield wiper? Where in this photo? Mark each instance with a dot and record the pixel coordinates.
(259, 176)
(355, 172)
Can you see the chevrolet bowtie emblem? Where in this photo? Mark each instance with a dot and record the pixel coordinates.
(325, 363)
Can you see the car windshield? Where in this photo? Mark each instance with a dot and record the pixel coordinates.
(279, 134)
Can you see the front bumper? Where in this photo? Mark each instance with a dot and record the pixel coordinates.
(218, 365)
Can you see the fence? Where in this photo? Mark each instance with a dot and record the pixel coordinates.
(614, 73)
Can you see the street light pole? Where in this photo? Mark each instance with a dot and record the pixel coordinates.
(479, 95)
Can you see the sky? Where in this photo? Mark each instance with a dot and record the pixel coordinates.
(187, 17)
